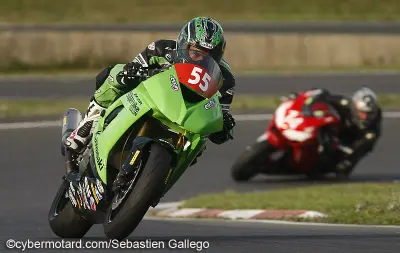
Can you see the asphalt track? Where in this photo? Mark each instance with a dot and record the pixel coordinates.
(345, 83)
(32, 167)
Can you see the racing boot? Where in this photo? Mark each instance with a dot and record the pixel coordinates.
(80, 136)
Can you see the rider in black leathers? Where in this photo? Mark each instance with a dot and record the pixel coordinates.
(362, 119)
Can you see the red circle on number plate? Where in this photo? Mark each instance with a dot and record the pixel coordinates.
(196, 78)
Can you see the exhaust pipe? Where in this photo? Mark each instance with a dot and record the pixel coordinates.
(71, 120)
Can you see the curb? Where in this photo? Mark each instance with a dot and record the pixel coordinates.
(173, 210)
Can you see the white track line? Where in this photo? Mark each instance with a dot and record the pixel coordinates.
(24, 125)
(240, 117)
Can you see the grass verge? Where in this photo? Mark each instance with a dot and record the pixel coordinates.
(55, 107)
(140, 11)
(363, 203)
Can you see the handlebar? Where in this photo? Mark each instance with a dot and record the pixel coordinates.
(148, 72)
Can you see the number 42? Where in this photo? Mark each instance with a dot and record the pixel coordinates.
(196, 72)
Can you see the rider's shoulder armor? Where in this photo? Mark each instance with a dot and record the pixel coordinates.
(162, 48)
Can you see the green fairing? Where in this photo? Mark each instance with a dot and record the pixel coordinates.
(195, 121)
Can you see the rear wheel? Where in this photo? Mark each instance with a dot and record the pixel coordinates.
(63, 219)
(148, 186)
(247, 165)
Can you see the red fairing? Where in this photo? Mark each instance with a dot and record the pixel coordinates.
(291, 130)
(196, 78)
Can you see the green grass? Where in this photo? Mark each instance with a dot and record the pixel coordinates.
(55, 107)
(364, 203)
(141, 11)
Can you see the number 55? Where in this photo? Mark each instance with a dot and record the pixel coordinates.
(196, 72)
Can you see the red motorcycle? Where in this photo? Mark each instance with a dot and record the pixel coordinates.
(299, 140)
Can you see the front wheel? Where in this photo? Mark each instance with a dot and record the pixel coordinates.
(246, 166)
(150, 184)
(63, 219)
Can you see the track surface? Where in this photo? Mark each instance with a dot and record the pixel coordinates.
(271, 84)
(32, 167)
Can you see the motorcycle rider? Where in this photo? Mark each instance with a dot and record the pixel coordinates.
(202, 34)
(362, 119)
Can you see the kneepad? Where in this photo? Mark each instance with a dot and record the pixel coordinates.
(102, 76)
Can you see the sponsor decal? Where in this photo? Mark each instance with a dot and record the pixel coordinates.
(87, 190)
(99, 186)
(168, 176)
(78, 200)
(75, 195)
(174, 83)
(71, 187)
(138, 99)
(151, 46)
(168, 57)
(134, 101)
(134, 157)
(92, 205)
(206, 45)
(99, 161)
(209, 104)
(230, 91)
(72, 198)
(99, 196)
(80, 194)
(73, 134)
(94, 193)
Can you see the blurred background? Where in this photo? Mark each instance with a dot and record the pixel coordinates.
(262, 35)
(268, 43)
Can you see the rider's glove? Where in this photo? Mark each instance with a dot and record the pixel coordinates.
(224, 135)
(130, 72)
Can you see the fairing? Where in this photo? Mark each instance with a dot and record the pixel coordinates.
(161, 95)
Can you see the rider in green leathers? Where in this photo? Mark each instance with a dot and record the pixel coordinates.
(202, 34)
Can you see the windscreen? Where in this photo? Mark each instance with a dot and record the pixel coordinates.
(199, 72)
(314, 106)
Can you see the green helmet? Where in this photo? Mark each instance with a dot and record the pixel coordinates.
(205, 34)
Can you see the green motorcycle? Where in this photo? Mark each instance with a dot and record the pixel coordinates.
(153, 134)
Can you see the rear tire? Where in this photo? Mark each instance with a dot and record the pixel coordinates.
(66, 223)
(149, 187)
(246, 166)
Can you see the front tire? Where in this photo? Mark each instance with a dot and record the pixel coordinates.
(149, 187)
(246, 166)
(63, 219)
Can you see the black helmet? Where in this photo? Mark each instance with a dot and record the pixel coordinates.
(204, 34)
